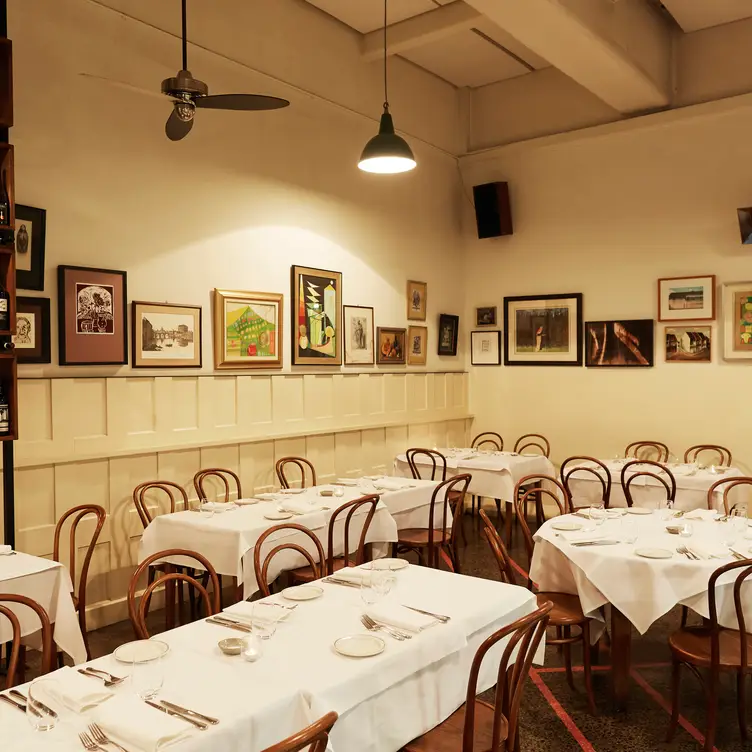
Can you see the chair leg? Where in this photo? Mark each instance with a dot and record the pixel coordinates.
(675, 679)
(567, 632)
(741, 703)
(559, 647)
(712, 712)
(685, 614)
(84, 632)
(586, 668)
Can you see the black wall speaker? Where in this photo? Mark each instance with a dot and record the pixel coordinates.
(493, 213)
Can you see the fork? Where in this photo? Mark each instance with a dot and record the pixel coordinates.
(101, 738)
(89, 743)
(106, 674)
(684, 550)
(375, 626)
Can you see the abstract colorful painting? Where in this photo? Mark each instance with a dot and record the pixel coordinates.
(737, 323)
(316, 317)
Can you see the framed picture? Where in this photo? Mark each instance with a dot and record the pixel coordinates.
(316, 317)
(543, 330)
(449, 327)
(688, 344)
(686, 298)
(737, 321)
(485, 316)
(358, 331)
(416, 300)
(247, 329)
(391, 345)
(92, 316)
(620, 343)
(745, 224)
(165, 335)
(417, 345)
(485, 348)
(31, 231)
(32, 338)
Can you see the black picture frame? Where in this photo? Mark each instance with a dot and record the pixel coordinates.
(448, 321)
(31, 279)
(607, 349)
(41, 352)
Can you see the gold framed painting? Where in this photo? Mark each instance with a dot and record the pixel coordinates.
(737, 321)
(316, 317)
(391, 342)
(417, 345)
(165, 335)
(417, 293)
(247, 329)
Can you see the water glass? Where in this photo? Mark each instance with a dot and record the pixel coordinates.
(40, 698)
(205, 508)
(666, 509)
(739, 519)
(628, 530)
(685, 529)
(597, 515)
(384, 579)
(147, 678)
(339, 491)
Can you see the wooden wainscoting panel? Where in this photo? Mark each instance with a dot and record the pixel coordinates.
(288, 403)
(255, 404)
(257, 467)
(35, 510)
(348, 456)
(321, 452)
(439, 391)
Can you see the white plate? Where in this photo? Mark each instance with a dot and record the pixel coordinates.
(246, 502)
(393, 564)
(278, 515)
(612, 514)
(267, 496)
(292, 490)
(654, 553)
(302, 593)
(141, 651)
(359, 646)
(218, 507)
(374, 477)
(565, 525)
(639, 510)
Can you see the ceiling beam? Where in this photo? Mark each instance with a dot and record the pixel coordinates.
(590, 45)
(427, 27)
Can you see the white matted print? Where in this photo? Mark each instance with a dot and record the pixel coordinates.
(686, 298)
(358, 335)
(485, 348)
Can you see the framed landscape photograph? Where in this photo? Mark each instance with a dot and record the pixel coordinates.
(32, 337)
(543, 330)
(485, 316)
(485, 348)
(688, 344)
(165, 335)
(417, 345)
(449, 327)
(391, 343)
(31, 231)
(686, 298)
(737, 321)
(620, 343)
(247, 329)
(416, 300)
(316, 317)
(358, 331)
(92, 316)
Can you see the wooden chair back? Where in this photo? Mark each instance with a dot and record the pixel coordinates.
(138, 613)
(261, 569)
(722, 454)
(499, 550)
(646, 450)
(314, 738)
(352, 508)
(435, 459)
(594, 467)
(173, 491)
(732, 483)
(48, 652)
(533, 441)
(456, 488)
(525, 636)
(488, 437)
(659, 473)
(222, 474)
(301, 463)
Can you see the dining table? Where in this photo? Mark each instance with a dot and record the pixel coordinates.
(385, 699)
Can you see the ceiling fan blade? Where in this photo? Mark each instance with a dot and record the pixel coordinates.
(175, 128)
(240, 102)
(122, 85)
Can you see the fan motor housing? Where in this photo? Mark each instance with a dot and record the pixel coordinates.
(184, 83)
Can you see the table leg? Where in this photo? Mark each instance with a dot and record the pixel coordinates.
(621, 658)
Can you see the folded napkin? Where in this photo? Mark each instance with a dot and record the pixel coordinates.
(259, 611)
(351, 574)
(394, 615)
(75, 691)
(218, 506)
(298, 506)
(347, 481)
(392, 484)
(135, 724)
(246, 502)
(581, 537)
(701, 514)
(4, 550)
(708, 551)
(267, 496)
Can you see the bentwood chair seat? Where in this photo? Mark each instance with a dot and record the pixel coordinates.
(17, 656)
(694, 645)
(418, 536)
(447, 736)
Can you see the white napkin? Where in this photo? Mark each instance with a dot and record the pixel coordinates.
(258, 612)
(351, 574)
(347, 481)
(400, 617)
(298, 506)
(5, 549)
(392, 484)
(581, 537)
(219, 506)
(267, 496)
(708, 552)
(701, 514)
(77, 692)
(136, 724)
(246, 502)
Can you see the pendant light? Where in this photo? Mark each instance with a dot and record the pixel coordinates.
(386, 153)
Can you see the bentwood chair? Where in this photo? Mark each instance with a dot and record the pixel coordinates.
(499, 550)
(732, 483)
(222, 475)
(654, 470)
(438, 543)
(138, 613)
(16, 664)
(718, 452)
(79, 599)
(261, 568)
(365, 505)
(589, 465)
(301, 463)
(314, 738)
(478, 725)
(715, 649)
(493, 440)
(533, 441)
(647, 450)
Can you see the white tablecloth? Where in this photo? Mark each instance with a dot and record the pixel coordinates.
(48, 583)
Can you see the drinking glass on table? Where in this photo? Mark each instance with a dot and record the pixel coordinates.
(147, 677)
(628, 530)
(597, 515)
(39, 699)
(666, 509)
(205, 508)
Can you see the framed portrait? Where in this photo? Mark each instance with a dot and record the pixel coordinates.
(620, 343)
(449, 327)
(247, 329)
(686, 298)
(31, 231)
(688, 344)
(165, 335)
(417, 345)
(737, 321)
(416, 300)
(32, 337)
(485, 316)
(485, 348)
(92, 316)
(358, 333)
(391, 345)
(543, 330)
(316, 317)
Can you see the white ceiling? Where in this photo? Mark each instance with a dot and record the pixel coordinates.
(693, 15)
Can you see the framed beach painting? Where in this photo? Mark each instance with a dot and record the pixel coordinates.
(358, 332)
(624, 343)
(391, 345)
(417, 293)
(32, 337)
(417, 345)
(165, 335)
(737, 321)
(686, 298)
(316, 317)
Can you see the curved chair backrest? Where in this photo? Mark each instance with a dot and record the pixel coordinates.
(48, 652)
(594, 467)
(659, 473)
(138, 614)
(488, 437)
(224, 475)
(313, 739)
(301, 463)
(715, 627)
(645, 449)
(722, 454)
(172, 490)
(353, 507)
(449, 493)
(427, 457)
(261, 569)
(499, 550)
(732, 483)
(533, 441)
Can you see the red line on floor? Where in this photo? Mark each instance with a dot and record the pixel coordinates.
(562, 669)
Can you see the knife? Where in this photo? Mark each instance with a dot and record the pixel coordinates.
(440, 617)
(175, 714)
(12, 702)
(345, 583)
(186, 711)
(596, 543)
(228, 625)
(41, 705)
